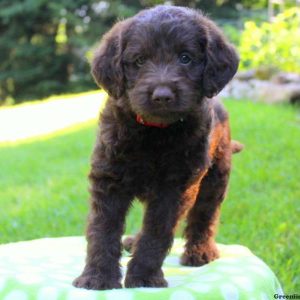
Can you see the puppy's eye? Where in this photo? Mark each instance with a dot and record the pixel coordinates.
(185, 58)
(140, 61)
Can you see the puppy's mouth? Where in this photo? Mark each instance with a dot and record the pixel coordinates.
(157, 113)
(166, 119)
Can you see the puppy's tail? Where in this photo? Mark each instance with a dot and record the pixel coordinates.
(236, 146)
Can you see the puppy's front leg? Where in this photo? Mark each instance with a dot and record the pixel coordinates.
(105, 228)
(154, 241)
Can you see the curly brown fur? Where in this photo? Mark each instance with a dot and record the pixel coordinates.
(164, 65)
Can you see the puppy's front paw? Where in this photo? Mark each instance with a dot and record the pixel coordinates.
(200, 255)
(90, 282)
(150, 281)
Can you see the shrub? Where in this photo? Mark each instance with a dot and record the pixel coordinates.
(275, 44)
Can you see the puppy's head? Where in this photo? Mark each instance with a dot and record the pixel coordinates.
(164, 61)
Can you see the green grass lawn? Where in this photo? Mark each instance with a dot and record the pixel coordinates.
(43, 187)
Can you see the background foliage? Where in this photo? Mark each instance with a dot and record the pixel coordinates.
(45, 45)
(275, 44)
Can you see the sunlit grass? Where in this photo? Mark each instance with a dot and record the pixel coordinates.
(43, 187)
(45, 117)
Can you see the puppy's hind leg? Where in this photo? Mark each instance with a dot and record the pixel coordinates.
(202, 219)
(128, 243)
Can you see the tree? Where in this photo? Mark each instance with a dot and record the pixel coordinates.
(37, 45)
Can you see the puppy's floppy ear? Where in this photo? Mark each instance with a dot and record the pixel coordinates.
(221, 61)
(107, 68)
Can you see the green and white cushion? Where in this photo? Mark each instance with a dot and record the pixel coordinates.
(44, 269)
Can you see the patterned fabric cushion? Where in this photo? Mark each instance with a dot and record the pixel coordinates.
(44, 269)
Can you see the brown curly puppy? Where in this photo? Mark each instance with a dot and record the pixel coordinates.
(163, 138)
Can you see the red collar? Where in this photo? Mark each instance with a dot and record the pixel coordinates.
(140, 120)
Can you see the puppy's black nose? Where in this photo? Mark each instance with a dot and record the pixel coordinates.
(163, 95)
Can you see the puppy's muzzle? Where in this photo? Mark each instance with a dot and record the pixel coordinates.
(163, 96)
